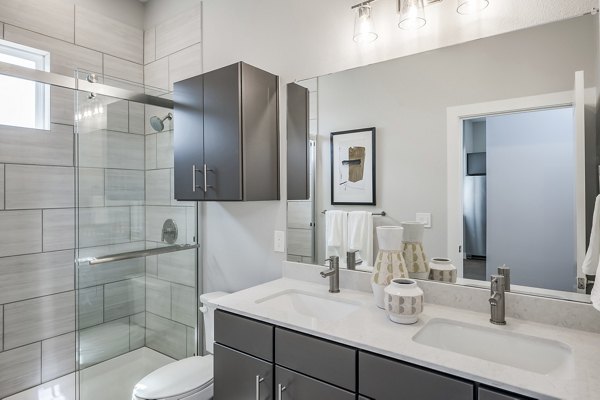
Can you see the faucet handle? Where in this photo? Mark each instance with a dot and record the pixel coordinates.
(497, 283)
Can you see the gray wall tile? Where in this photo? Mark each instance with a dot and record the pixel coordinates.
(64, 57)
(123, 69)
(158, 187)
(137, 331)
(150, 151)
(32, 186)
(158, 297)
(35, 275)
(1, 30)
(164, 150)
(91, 187)
(105, 149)
(1, 186)
(90, 309)
(156, 74)
(25, 235)
(103, 226)
(149, 45)
(58, 356)
(1, 327)
(179, 32)
(97, 31)
(179, 267)
(110, 272)
(117, 116)
(185, 64)
(157, 215)
(62, 105)
(124, 298)
(36, 319)
(102, 342)
(50, 17)
(166, 336)
(20, 369)
(191, 341)
(58, 229)
(136, 118)
(124, 187)
(183, 304)
(36, 146)
(138, 222)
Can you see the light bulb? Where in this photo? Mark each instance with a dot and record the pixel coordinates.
(412, 14)
(364, 30)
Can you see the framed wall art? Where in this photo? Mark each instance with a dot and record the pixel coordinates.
(353, 167)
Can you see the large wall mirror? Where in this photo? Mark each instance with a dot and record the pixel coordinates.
(490, 145)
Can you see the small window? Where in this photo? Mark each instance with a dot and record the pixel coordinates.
(23, 102)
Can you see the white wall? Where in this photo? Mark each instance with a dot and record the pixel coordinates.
(298, 39)
(531, 198)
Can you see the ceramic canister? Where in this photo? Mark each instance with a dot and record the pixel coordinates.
(442, 270)
(413, 252)
(403, 301)
(389, 263)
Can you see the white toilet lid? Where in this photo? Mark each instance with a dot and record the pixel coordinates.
(175, 379)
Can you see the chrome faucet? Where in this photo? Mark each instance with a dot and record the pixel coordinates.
(497, 300)
(333, 273)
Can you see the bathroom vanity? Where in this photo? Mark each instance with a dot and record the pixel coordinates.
(291, 339)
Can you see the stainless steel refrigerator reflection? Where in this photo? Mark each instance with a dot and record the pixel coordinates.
(475, 210)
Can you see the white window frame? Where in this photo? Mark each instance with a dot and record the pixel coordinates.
(41, 59)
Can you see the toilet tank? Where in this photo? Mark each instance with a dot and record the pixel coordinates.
(208, 312)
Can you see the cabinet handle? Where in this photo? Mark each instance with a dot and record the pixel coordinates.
(258, 382)
(206, 185)
(194, 171)
(280, 389)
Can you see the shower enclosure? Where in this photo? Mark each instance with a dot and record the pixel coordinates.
(136, 247)
(107, 285)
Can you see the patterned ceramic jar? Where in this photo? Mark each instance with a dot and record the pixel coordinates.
(413, 252)
(389, 263)
(442, 270)
(403, 301)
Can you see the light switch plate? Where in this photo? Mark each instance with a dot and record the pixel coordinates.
(279, 241)
(424, 218)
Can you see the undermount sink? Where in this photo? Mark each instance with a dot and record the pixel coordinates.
(525, 352)
(309, 304)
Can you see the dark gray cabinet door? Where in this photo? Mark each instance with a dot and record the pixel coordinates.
(382, 379)
(244, 334)
(298, 386)
(239, 376)
(260, 133)
(189, 139)
(491, 394)
(222, 139)
(297, 142)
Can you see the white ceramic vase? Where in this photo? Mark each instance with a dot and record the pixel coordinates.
(389, 263)
(403, 301)
(442, 270)
(413, 252)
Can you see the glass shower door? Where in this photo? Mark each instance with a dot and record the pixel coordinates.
(136, 250)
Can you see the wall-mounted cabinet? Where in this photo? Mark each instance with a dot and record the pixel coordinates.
(298, 178)
(227, 135)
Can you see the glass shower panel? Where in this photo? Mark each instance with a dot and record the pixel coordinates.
(137, 275)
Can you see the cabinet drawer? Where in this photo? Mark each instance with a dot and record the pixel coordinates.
(381, 379)
(491, 394)
(236, 376)
(298, 386)
(244, 334)
(317, 358)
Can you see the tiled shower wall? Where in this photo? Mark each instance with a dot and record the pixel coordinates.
(172, 52)
(37, 276)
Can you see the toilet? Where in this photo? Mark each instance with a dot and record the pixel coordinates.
(187, 379)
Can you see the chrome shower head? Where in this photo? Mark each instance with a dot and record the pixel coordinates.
(159, 124)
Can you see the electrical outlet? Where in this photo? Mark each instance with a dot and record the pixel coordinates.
(425, 218)
(279, 241)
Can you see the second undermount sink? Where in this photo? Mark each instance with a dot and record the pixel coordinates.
(313, 305)
(525, 352)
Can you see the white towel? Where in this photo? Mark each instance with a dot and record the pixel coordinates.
(336, 234)
(360, 235)
(591, 263)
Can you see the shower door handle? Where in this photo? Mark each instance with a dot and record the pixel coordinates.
(259, 380)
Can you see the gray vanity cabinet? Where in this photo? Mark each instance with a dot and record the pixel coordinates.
(227, 135)
(492, 394)
(384, 379)
(241, 376)
(298, 175)
(296, 386)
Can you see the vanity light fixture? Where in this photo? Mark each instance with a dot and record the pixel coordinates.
(412, 14)
(466, 7)
(364, 29)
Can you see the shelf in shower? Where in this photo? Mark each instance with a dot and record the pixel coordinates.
(136, 254)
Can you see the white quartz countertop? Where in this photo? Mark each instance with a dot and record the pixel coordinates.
(369, 328)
